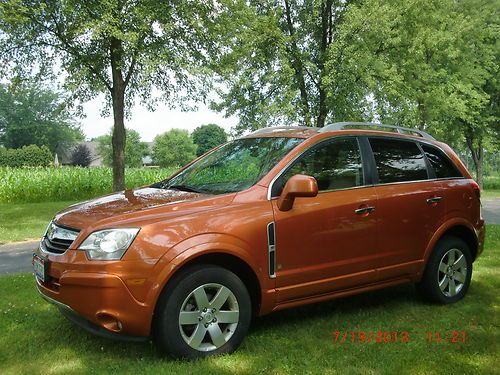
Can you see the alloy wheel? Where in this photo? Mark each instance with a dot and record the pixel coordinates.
(452, 272)
(208, 317)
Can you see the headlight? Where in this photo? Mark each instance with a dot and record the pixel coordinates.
(109, 244)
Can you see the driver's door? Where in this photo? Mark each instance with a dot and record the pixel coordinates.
(328, 242)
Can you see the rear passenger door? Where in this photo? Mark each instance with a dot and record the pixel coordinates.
(410, 204)
(457, 193)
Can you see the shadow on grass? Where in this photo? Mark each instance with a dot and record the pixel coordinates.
(343, 306)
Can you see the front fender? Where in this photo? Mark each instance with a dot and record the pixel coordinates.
(184, 252)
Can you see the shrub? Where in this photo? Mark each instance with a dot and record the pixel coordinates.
(27, 156)
(135, 149)
(81, 156)
(491, 182)
(174, 148)
(206, 137)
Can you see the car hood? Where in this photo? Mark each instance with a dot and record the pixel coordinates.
(136, 205)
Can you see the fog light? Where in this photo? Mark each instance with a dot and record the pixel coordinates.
(109, 322)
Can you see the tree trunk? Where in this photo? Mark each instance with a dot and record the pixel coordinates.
(326, 40)
(477, 152)
(477, 158)
(297, 67)
(118, 96)
(323, 109)
(118, 140)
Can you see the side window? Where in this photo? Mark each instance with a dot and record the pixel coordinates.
(442, 165)
(398, 161)
(334, 165)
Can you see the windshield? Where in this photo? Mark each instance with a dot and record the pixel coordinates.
(234, 167)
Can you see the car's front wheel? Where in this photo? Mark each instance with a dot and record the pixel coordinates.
(205, 310)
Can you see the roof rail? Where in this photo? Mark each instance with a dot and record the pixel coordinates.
(397, 129)
(273, 129)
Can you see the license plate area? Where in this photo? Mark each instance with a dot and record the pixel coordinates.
(40, 266)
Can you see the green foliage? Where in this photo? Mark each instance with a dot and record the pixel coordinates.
(492, 182)
(206, 137)
(425, 63)
(68, 183)
(174, 148)
(31, 114)
(275, 68)
(135, 149)
(122, 49)
(26, 156)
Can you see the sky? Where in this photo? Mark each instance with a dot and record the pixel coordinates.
(149, 124)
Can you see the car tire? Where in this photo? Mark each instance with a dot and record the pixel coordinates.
(448, 272)
(204, 310)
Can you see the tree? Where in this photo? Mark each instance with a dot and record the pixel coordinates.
(122, 48)
(81, 155)
(135, 149)
(437, 72)
(31, 114)
(275, 67)
(206, 137)
(174, 148)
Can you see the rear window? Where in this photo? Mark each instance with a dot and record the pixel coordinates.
(442, 165)
(398, 161)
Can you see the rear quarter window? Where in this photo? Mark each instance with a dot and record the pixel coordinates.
(398, 161)
(442, 165)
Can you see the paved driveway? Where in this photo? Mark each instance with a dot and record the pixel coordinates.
(17, 257)
(491, 210)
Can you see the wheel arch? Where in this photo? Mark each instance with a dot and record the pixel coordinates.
(234, 264)
(457, 228)
(222, 258)
(467, 235)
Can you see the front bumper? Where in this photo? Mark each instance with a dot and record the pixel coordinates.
(98, 301)
(87, 325)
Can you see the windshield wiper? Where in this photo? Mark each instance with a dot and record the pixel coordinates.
(185, 188)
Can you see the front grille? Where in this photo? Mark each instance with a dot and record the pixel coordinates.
(56, 246)
(58, 239)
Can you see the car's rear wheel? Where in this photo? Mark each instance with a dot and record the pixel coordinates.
(448, 272)
(204, 311)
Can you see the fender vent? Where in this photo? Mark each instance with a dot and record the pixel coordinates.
(271, 247)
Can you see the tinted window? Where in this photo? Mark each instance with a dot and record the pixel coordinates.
(334, 165)
(443, 167)
(398, 160)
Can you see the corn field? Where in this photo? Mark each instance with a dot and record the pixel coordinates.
(68, 183)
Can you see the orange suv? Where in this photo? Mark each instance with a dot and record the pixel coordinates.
(283, 217)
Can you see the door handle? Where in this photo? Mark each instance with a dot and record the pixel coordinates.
(364, 210)
(434, 200)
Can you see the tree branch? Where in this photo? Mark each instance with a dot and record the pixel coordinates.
(68, 47)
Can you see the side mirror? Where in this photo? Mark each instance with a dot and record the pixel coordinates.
(297, 186)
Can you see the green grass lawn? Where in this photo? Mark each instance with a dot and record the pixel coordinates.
(35, 338)
(490, 194)
(25, 221)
